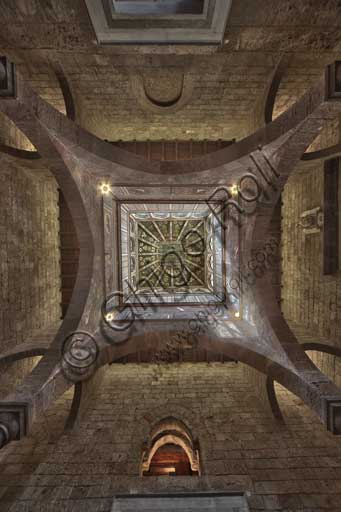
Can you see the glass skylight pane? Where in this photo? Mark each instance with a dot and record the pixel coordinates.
(158, 7)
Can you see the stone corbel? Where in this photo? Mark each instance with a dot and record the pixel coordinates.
(333, 81)
(334, 416)
(7, 79)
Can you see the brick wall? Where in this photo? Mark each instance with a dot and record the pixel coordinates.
(296, 467)
(29, 262)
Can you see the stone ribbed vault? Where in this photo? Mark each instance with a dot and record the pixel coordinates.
(80, 163)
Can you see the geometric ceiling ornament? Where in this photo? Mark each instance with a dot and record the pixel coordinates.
(159, 21)
(171, 252)
(168, 244)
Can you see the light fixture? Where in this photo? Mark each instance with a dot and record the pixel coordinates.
(234, 189)
(105, 188)
(109, 317)
(237, 314)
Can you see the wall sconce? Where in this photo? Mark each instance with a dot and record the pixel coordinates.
(234, 189)
(105, 188)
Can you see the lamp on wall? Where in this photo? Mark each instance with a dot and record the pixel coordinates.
(105, 188)
(234, 189)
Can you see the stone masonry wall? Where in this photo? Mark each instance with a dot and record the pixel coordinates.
(10, 135)
(18, 460)
(29, 262)
(296, 467)
(309, 298)
(311, 301)
(327, 363)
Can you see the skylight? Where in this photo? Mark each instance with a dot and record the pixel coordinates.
(159, 21)
(170, 251)
(158, 7)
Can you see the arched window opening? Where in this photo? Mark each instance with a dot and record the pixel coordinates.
(170, 451)
(170, 460)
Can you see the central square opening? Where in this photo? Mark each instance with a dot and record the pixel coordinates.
(170, 253)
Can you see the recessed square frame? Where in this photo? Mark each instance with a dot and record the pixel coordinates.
(135, 9)
(181, 29)
(129, 295)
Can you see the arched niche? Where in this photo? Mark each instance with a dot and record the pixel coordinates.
(170, 451)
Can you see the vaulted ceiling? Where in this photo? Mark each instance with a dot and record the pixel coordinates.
(129, 92)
